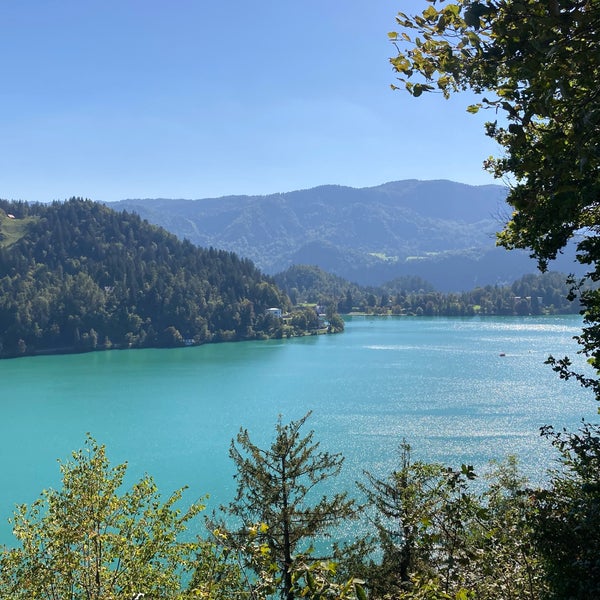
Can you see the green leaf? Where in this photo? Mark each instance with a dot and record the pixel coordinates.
(400, 63)
(430, 13)
(310, 580)
(360, 592)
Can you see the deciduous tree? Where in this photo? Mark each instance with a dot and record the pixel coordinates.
(536, 65)
(89, 541)
(567, 526)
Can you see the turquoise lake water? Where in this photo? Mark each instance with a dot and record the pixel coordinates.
(441, 383)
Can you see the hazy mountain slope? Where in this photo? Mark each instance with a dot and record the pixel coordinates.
(440, 230)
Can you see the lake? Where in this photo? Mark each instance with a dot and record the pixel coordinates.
(459, 390)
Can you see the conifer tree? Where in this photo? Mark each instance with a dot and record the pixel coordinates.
(277, 506)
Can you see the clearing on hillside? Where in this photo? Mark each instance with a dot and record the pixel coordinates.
(11, 229)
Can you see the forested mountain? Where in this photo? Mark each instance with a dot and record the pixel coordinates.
(77, 276)
(530, 294)
(438, 230)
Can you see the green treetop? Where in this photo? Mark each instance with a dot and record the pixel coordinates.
(277, 506)
(90, 540)
(536, 65)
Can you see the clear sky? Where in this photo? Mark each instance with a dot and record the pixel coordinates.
(114, 99)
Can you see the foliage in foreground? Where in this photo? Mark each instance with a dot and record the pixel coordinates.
(536, 64)
(568, 531)
(433, 532)
(278, 489)
(89, 540)
(440, 534)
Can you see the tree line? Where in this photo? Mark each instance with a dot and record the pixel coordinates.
(77, 276)
(428, 531)
(534, 294)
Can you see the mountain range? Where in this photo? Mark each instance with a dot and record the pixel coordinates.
(440, 230)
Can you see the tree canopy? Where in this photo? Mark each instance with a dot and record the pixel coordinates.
(536, 65)
(92, 540)
(77, 276)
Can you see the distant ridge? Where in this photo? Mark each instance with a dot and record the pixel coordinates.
(440, 230)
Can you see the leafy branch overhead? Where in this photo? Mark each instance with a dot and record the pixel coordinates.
(536, 65)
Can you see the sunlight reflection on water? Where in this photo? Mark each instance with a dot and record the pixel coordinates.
(441, 384)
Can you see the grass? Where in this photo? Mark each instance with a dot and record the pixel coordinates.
(12, 230)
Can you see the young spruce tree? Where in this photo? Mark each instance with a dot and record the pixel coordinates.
(277, 513)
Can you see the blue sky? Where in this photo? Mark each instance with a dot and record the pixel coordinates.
(118, 99)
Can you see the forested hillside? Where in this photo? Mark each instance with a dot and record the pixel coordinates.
(531, 294)
(309, 283)
(78, 276)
